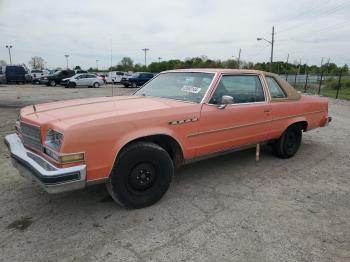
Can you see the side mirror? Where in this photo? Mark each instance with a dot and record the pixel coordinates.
(225, 100)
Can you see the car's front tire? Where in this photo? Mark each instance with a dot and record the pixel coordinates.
(52, 83)
(96, 85)
(133, 85)
(71, 85)
(141, 175)
(288, 144)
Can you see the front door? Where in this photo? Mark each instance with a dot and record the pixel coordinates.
(246, 121)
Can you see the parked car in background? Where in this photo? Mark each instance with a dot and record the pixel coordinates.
(14, 74)
(90, 80)
(115, 77)
(134, 143)
(80, 71)
(103, 77)
(136, 79)
(56, 78)
(36, 75)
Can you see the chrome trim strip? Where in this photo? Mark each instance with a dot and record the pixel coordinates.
(224, 152)
(251, 124)
(51, 178)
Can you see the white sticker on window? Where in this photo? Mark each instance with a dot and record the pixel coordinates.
(191, 89)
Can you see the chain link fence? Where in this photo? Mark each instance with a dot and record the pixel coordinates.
(330, 85)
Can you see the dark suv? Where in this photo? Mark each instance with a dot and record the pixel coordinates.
(54, 79)
(12, 74)
(137, 79)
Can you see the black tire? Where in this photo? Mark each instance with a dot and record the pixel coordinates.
(141, 175)
(71, 85)
(288, 144)
(96, 85)
(133, 85)
(52, 83)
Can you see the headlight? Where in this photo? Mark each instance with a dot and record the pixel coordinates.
(53, 139)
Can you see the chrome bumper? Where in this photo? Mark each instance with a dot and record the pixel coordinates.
(49, 177)
(328, 120)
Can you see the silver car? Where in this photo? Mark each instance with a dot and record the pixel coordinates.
(89, 80)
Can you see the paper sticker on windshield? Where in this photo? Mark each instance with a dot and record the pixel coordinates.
(191, 89)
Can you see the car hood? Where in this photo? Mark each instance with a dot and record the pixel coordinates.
(73, 112)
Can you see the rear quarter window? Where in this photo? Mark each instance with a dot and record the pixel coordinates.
(275, 90)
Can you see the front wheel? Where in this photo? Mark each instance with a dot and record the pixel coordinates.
(141, 175)
(96, 85)
(52, 83)
(288, 144)
(71, 85)
(133, 85)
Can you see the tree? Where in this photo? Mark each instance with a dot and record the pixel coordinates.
(127, 64)
(37, 62)
(77, 68)
(3, 63)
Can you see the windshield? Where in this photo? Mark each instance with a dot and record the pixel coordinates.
(186, 86)
(57, 72)
(135, 75)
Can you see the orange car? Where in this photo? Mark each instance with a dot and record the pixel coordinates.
(133, 143)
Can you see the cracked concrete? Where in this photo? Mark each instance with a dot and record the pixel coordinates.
(228, 208)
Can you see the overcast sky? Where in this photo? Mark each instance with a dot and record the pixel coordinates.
(88, 30)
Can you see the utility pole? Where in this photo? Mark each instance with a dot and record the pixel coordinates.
(272, 43)
(159, 58)
(145, 50)
(287, 68)
(111, 54)
(239, 58)
(9, 48)
(66, 56)
(97, 64)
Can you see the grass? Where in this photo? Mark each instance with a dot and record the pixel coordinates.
(344, 93)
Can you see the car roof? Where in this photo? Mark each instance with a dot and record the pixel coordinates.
(218, 70)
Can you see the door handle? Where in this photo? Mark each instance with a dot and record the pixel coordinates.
(267, 110)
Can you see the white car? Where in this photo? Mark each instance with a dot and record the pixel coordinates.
(36, 75)
(115, 77)
(89, 80)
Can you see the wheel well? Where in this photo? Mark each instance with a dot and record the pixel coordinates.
(168, 143)
(303, 124)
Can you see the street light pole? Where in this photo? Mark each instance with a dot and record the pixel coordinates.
(239, 58)
(66, 56)
(9, 48)
(272, 43)
(159, 58)
(145, 50)
(97, 64)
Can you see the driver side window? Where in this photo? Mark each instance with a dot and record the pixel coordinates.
(243, 89)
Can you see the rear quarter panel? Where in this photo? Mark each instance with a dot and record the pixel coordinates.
(312, 109)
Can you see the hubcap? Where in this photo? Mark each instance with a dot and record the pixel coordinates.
(142, 176)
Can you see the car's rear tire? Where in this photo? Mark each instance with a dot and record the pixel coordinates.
(52, 83)
(288, 144)
(96, 85)
(133, 85)
(141, 175)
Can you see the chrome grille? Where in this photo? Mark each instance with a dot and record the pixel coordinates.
(31, 136)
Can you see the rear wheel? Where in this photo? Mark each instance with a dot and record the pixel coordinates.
(288, 144)
(133, 85)
(141, 175)
(96, 85)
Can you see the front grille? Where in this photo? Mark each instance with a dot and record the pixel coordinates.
(31, 136)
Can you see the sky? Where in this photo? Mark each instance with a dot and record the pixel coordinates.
(100, 30)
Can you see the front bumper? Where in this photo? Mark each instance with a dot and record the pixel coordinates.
(49, 177)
